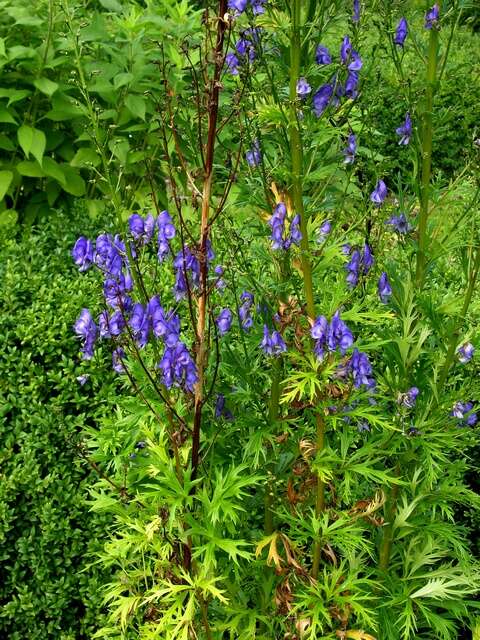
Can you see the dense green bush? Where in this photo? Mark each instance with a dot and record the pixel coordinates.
(46, 530)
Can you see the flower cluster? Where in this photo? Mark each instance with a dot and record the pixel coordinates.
(86, 328)
(400, 224)
(272, 344)
(280, 238)
(409, 398)
(245, 310)
(244, 53)
(463, 411)
(332, 91)
(239, 6)
(331, 336)
(359, 265)
(254, 155)
(224, 321)
(361, 370)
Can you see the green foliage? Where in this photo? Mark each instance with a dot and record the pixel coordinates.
(47, 535)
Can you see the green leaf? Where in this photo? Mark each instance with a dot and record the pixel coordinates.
(54, 170)
(32, 141)
(2, 48)
(121, 79)
(111, 5)
(5, 143)
(6, 116)
(46, 86)
(85, 157)
(6, 178)
(136, 106)
(74, 183)
(30, 169)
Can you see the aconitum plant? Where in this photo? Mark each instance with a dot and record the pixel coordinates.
(297, 339)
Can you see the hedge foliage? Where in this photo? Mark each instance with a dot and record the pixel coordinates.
(47, 533)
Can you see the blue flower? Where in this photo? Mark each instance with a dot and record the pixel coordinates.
(186, 265)
(339, 335)
(359, 265)
(384, 288)
(319, 333)
(246, 320)
(350, 150)
(463, 412)
(465, 352)
(82, 253)
(432, 17)
(401, 33)
(178, 368)
(324, 230)
(141, 230)
(107, 256)
(237, 5)
(345, 50)
(322, 98)
(379, 194)
(86, 328)
(361, 369)
(405, 131)
(140, 324)
(254, 155)
(351, 85)
(356, 11)
(232, 63)
(272, 345)
(322, 55)
(221, 410)
(224, 321)
(409, 398)
(117, 360)
(400, 224)
(303, 88)
(166, 232)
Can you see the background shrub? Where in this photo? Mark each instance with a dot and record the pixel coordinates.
(46, 530)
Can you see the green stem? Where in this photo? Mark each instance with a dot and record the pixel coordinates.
(320, 497)
(427, 143)
(273, 411)
(387, 540)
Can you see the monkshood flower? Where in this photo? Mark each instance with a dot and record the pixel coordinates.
(359, 265)
(141, 230)
(324, 230)
(279, 237)
(303, 88)
(237, 5)
(322, 55)
(232, 63)
(86, 328)
(117, 360)
(356, 11)
(107, 256)
(245, 48)
(224, 321)
(295, 236)
(463, 412)
(379, 194)
(351, 85)
(405, 131)
(384, 288)
(114, 290)
(113, 325)
(246, 320)
(400, 224)
(178, 368)
(140, 324)
(220, 408)
(254, 155)
(432, 17)
(166, 232)
(319, 333)
(220, 283)
(272, 345)
(355, 63)
(82, 379)
(350, 150)
(465, 352)
(322, 98)
(82, 253)
(165, 324)
(361, 370)
(339, 335)
(257, 6)
(401, 32)
(186, 265)
(409, 398)
(345, 50)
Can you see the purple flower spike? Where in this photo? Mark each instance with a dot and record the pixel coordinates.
(322, 99)
(361, 370)
(405, 131)
(178, 368)
(465, 352)
(339, 335)
(82, 253)
(246, 320)
(356, 11)
(351, 85)
(432, 17)
(401, 33)
(379, 194)
(384, 288)
(224, 321)
(166, 232)
(141, 230)
(319, 333)
(272, 345)
(303, 88)
(117, 360)
(322, 55)
(345, 50)
(232, 63)
(350, 150)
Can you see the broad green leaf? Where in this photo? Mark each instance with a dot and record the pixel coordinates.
(85, 157)
(5, 143)
(54, 170)
(14, 95)
(30, 169)
(6, 178)
(95, 207)
(46, 86)
(74, 183)
(32, 141)
(122, 79)
(6, 116)
(136, 106)
(111, 5)
(25, 138)
(19, 51)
